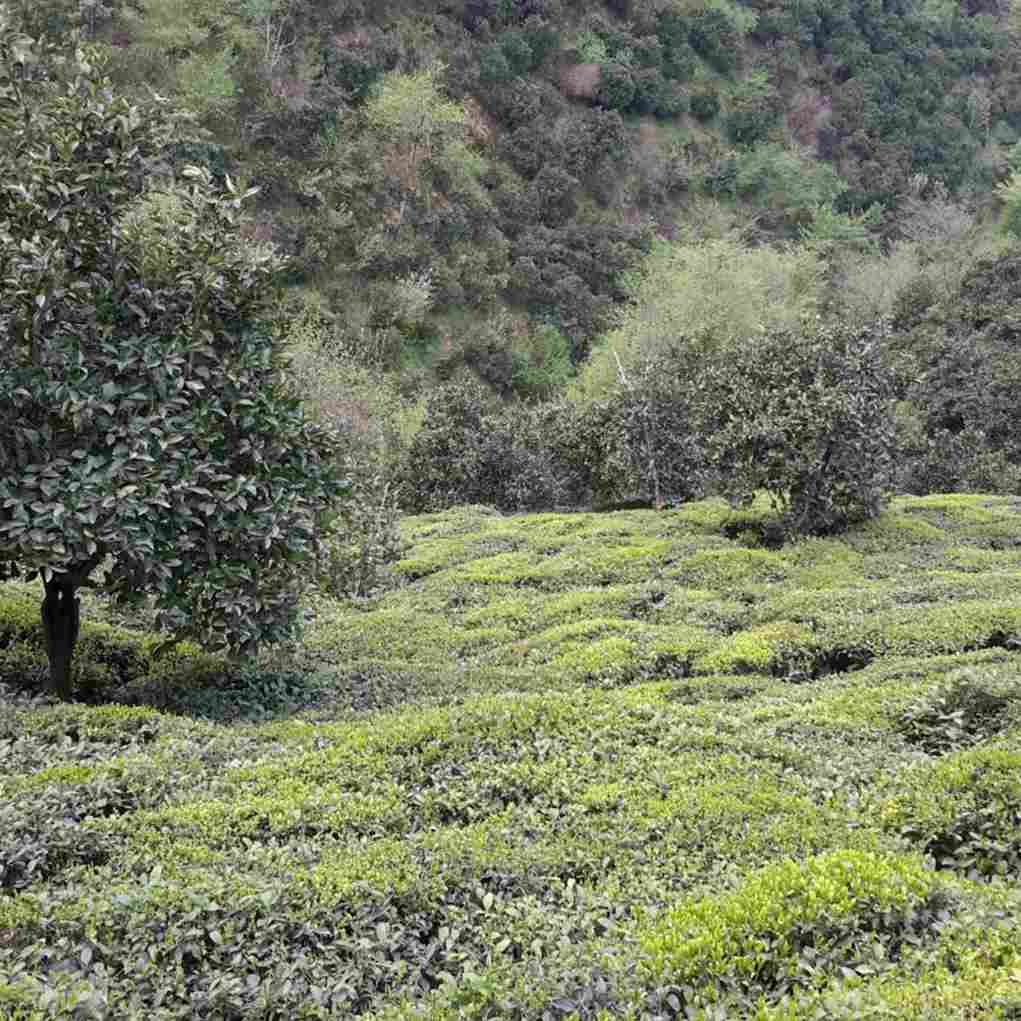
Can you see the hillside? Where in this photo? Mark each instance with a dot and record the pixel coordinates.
(473, 182)
(751, 754)
(562, 770)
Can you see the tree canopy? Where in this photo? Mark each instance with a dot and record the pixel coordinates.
(149, 442)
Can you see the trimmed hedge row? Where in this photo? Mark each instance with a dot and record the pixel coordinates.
(544, 800)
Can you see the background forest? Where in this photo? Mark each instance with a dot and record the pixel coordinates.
(518, 229)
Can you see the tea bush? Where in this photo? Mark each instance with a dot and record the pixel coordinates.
(853, 908)
(963, 370)
(516, 784)
(705, 104)
(808, 419)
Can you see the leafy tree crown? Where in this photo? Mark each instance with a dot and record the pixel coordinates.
(149, 442)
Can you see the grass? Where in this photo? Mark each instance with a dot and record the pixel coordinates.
(573, 766)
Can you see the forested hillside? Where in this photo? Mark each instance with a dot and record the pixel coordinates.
(473, 181)
(526, 241)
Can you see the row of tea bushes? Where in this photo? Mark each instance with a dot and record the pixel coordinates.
(527, 842)
(519, 826)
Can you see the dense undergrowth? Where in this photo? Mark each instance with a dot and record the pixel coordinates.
(629, 765)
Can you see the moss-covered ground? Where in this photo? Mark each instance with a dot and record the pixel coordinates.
(572, 766)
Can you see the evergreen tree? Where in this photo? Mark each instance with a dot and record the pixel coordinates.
(149, 444)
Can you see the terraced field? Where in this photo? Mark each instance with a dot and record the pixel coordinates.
(582, 766)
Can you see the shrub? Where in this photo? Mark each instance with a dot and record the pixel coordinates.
(518, 51)
(520, 464)
(716, 38)
(680, 62)
(493, 64)
(356, 559)
(655, 95)
(942, 461)
(445, 457)
(616, 89)
(542, 37)
(964, 810)
(637, 443)
(807, 418)
(471, 449)
(754, 110)
(588, 444)
(357, 60)
(788, 923)
(957, 716)
(964, 369)
(913, 301)
(719, 292)
(1009, 194)
(705, 104)
(542, 363)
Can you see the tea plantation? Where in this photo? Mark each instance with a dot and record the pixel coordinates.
(633, 765)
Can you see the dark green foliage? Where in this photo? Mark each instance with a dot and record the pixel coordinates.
(357, 69)
(952, 461)
(714, 38)
(472, 450)
(616, 87)
(590, 442)
(962, 372)
(656, 95)
(147, 440)
(517, 49)
(248, 692)
(809, 419)
(983, 843)
(572, 275)
(542, 37)
(210, 155)
(499, 13)
(705, 104)
(637, 444)
(40, 844)
(752, 113)
(679, 62)
(957, 717)
(892, 75)
(493, 64)
(973, 376)
(552, 195)
(445, 463)
(108, 659)
(651, 445)
(355, 561)
(974, 828)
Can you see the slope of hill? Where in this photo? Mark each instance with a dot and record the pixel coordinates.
(457, 179)
(578, 766)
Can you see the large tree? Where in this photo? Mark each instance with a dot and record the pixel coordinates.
(149, 443)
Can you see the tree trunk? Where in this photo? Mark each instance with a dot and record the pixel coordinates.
(61, 614)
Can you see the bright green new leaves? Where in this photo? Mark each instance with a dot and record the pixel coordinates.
(716, 294)
(785, 918)
(145, 425)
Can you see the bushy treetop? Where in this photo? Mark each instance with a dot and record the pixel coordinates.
(148, 439)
